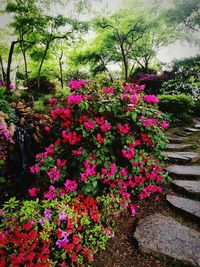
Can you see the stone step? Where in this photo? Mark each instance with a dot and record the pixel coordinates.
(186, 206)
(161, 235)
(178, 147)
(184, 134)
(189, 172)
(197, 126)
(192, 129)
(182, 157)
(187, 186)
(177, 139)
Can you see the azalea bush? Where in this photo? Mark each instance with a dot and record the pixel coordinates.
(104, 154)
(5, 140)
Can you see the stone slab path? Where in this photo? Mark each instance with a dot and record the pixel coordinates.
(178, 147)
(182, 157)
(191, 187)
(185, 205)
(162, 235)
(187, 171)
(192, 129)
(177, 139)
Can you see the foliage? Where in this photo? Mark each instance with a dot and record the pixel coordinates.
(104, 155)
(153, 82)
(186, 78)
(178, 106)
(185, 12)
(6, 108)
(46, 86)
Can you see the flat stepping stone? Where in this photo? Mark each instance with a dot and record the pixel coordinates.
(178, 147)
(161, 235)
(177, 139)
(185, 205)
(197, 126)
(184, 134)
(192, 129)
(184, 171)
(191, 187)
(182, 157)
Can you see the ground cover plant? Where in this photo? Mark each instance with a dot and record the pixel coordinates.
(104, 154)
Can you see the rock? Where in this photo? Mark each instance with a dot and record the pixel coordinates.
(11, 129)
(178, 147)
(22, 121)
(177, 139)
(184, 134)
(192, 129)
(197, 126)
(3, 117)
(185, 205)
(191, 187)
(175, 157)
(184, 171)
(161, 235)
(182, 157)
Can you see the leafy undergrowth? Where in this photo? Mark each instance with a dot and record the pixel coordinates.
(103, 157)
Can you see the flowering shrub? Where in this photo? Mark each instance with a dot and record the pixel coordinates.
(5, 139)
(104, 154)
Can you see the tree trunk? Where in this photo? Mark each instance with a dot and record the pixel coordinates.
(9, 63)
(125, 62)
(41, 64)
(61, 69)
(25, 61)
(2, 69)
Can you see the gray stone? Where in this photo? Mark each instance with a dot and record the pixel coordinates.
(184, 134)
(177, 139)
(178, 147)
(187, 171)
(185, 205)
(192, 187)
(192, 156)
(161, 235)
(192, 129)
(182, 157)
(197, 126)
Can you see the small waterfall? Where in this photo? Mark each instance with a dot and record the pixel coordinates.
(20, 157)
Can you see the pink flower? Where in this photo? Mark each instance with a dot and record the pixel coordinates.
(123, 129)
(133, 210)
(61, 163)
(52, 100)
(51, 194)
(35, 169)
(33, 191)
(108, 91)
(74, 99)
(62, 216)
(100, 139)
(54, 174)
(134, 99)
(151, 99)
(128, 154)
(89, 125)
(70, 185)
(76, 84)
(106, 127)
(164, 124)
(77, 152)
(47, 128)
(11, 87)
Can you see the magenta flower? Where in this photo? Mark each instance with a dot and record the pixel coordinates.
(151, 99)
(52, 100)
(33, 191)
(109, 91)
(54, 174)
(11, 87)
(70, 185)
